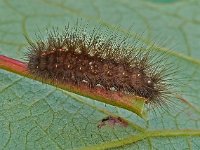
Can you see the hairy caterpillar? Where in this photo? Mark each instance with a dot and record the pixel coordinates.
(98, 61)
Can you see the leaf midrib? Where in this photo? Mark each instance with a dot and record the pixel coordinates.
(141, 136)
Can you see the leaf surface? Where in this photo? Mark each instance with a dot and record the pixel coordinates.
(37, 116)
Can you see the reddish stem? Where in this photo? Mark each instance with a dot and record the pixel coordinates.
(13, 65)
(129, 102)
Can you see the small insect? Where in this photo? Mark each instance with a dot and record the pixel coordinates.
(102, 61)
(112, 121)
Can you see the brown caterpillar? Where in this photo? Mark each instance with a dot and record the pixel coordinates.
(106, 61)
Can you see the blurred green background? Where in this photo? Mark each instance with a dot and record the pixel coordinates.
(37, 116)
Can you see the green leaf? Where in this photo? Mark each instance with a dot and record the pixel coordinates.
(37, 116)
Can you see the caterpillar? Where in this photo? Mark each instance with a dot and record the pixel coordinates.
(97, 60)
